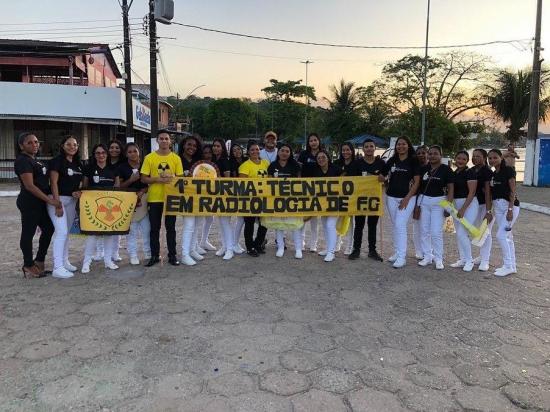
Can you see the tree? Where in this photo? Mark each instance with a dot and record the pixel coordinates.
(509, 100)
(229, 118)
(288, 91)
(343, 119)
(192, 111)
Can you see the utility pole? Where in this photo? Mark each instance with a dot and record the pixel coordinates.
(307, 63)
(425, 75)
(153, 70)
(127, 73)
(533, 122)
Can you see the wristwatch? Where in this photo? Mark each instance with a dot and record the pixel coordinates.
(490, 212)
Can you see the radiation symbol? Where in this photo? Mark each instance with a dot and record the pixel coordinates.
(108, 210)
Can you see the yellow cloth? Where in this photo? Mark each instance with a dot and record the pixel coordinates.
(106, 211)
(155, 165)
(251, 169)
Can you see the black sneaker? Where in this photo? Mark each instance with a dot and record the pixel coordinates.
(252, 252)
(261, 250)
(373, 254)
(354, 254)
(153, 261)
(173, 261)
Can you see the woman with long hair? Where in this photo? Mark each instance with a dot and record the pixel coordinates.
(485, 211)
(128, 177)
(283, 167)
(437, 184)
(422, 156)
(237, 158)
(506, 209)
(345, 163)
(66, 174)
(403, 178)
(99, 176)
(465, 185)
(256, 168)
(308, 162)
(203, 224)
(31, 202)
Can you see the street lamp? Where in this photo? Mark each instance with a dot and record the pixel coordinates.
(425, 85)
(193, 90)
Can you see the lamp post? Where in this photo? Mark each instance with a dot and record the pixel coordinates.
(425, 78)
(307, 63)
(193, 90)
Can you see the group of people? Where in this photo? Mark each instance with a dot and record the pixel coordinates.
(416, 181)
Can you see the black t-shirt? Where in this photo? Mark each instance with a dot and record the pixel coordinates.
(500, 187)
(223, 165)
(309, 164)
(70, 175)
(291, 169)
(333, 171)
(400, 172)
(98, 177)
(344, 168)
(187, 166)
(438, 180)
(39, 169)
(234, 166)
(125, 172)
(484, 174)
(360, 167)
(461, 179)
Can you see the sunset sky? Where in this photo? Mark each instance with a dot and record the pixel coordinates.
(231, 66)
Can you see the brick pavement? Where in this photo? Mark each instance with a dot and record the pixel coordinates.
(272, 334)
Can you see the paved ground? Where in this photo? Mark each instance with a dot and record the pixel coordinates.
(272, 334)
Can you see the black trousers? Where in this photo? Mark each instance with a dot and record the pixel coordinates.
(249, 240)
(155, 218)
(372, 222)
(34, 214)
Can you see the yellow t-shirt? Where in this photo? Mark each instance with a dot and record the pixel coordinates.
(153, 166)
(252, 169)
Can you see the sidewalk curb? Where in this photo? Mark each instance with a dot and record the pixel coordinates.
(535, 208)
(9, 193)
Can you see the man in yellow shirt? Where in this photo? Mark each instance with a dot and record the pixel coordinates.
(158, 169)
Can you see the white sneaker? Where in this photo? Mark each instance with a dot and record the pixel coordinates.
(85, 267)
(207, 246)
(187, 260)
(313, 249)
(329, 257)
(399, 263)
(195, 255)
(419, 256)
(323, 253)
(117, 258)
(477, 260)
(439, 265)
(500, 269)
(238, 249)
(134, 260)
(468, 267)
(280, 252)
(392, 258)
(97, 258)
(220, 252)
(458, 264)
(338, 247)
(504, 271)
(298, 254)
(71, 268)
(425, 262)
(348, 251)
(228, 255)
(62, 273)
(483, 267)
(200, 250)
(111, 265)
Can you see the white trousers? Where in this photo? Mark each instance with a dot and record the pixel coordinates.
(432, 219)
(399, 220)
(347, 239)
(226, 232)
(142, 227)
(329, 226)
(313, 224)
(239, 223)
(109, 246)
(296, 237)
(485, 249)
(208, 220)
(505, 237)
(62, 226)
(188, 235)
(462, 234)
(417, 237)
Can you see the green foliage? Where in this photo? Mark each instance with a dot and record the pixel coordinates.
(343, 118)
(288, 91)
(229, 119)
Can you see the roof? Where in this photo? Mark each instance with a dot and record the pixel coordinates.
(378, 141)
(52, 48)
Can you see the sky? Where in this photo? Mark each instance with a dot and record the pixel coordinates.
(238, 67)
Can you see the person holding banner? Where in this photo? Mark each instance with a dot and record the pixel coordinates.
(422, 156)
(31, 202)
(128, 177)
(402, 173)
(345, 164)
(506, 206)
(203, 224)
(465, 186)
(437, 184)
(99, 176)
(285, 166)
(368, 165)
(254, 167)
(237, 158)
(483, 194)
(326, 169)
(308, 162)
(66, 174)
(158, 169)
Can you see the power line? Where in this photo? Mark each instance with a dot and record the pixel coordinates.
(66, 22)
(63, 29)
(348, 46)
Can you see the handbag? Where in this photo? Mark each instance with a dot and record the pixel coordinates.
(417, 209)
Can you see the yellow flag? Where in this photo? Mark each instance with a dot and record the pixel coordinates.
(106, 212)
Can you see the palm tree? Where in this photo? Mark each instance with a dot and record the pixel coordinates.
(510, 101)
(343, 117)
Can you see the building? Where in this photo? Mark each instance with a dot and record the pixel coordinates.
(55, 89)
